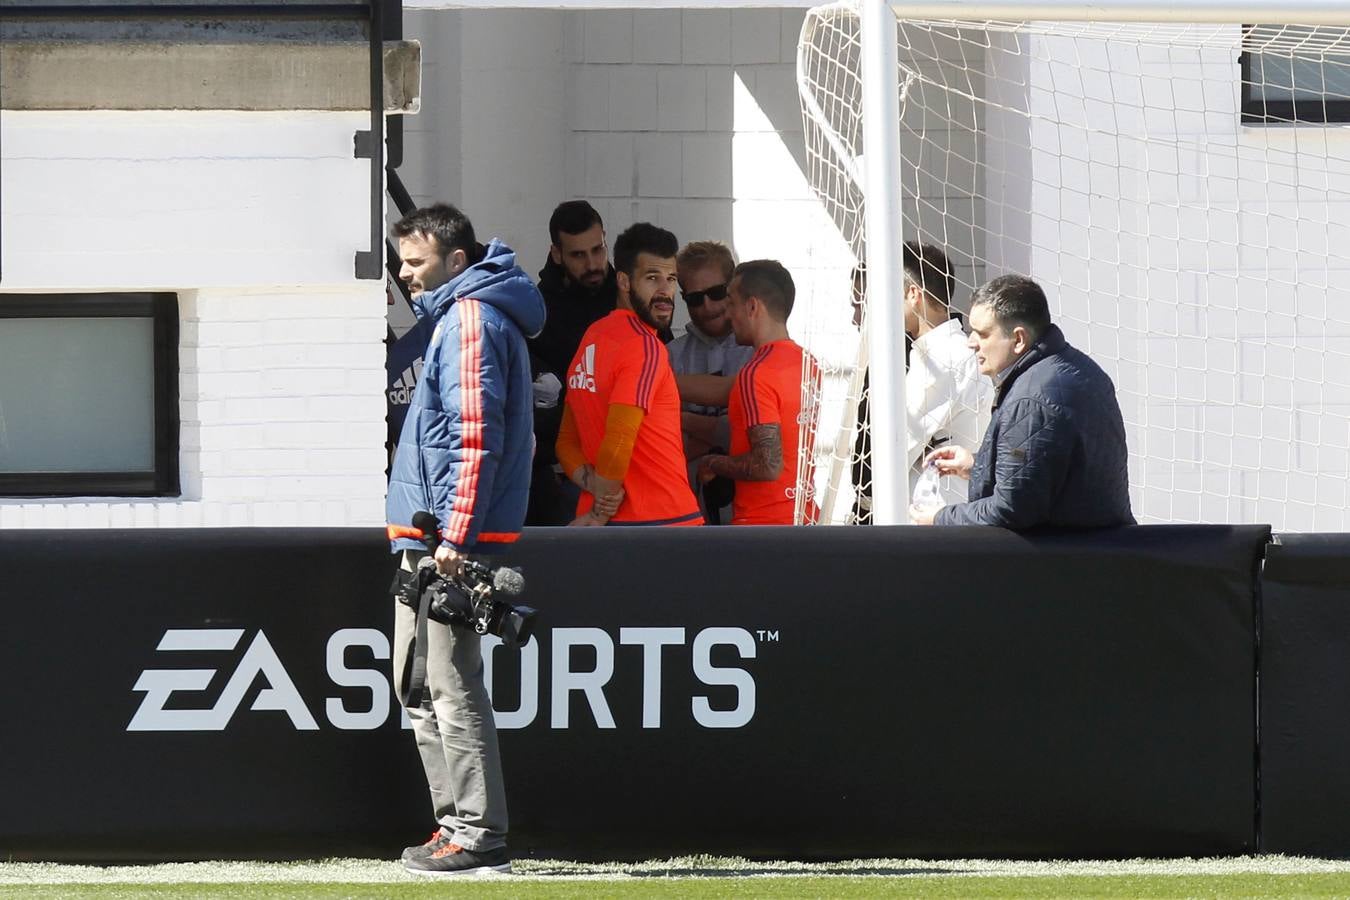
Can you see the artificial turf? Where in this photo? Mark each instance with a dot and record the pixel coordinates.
(1244, 884)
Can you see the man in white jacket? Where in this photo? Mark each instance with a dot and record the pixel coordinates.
(947, 399)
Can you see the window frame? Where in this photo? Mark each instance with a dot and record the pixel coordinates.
(1258, 111)
(163, 479)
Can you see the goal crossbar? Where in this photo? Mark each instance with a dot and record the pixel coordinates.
(1212, 12)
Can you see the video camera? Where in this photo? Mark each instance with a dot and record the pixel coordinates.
(468, 598)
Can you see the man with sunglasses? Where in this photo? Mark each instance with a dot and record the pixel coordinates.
(708, 347)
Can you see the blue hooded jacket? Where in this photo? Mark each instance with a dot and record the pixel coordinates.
(466, 446)
(1054, 454)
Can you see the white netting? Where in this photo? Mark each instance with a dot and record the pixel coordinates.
(1202, 260)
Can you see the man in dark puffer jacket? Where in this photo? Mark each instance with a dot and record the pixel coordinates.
(1054, 454)
(579, 288)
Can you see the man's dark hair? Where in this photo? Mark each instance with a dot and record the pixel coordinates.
(767, 280)
(929, 268)
(451, 229)
(572, 217)
(1015, 300)
(643, 237)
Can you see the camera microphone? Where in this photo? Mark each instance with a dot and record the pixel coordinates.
(504, 581)
(508, 581)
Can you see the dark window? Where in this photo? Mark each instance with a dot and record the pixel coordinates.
(88, 395)
(1295, 73)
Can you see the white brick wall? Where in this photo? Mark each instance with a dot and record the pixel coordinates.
(253, 220)
(514, 117)
(1196, 259)
(492, 133)
(705, 36)
(660, 165)
(293, 412)
(683, 98)
(609, 165)
(659, 38)
(666, 154)
(181, 199)
(756, 36)
(632, 109)
(607, 36)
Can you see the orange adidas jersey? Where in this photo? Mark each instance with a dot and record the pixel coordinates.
(768, 391)
(621, 360)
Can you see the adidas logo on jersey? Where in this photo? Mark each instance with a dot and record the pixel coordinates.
(583, 375)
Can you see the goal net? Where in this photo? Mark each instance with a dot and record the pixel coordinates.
(1182, 193)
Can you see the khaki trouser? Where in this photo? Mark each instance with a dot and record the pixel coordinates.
(455, 732)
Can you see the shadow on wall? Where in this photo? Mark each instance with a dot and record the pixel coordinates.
(635, 111)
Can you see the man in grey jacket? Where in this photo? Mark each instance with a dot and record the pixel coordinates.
(1054, 453)
(708, 347)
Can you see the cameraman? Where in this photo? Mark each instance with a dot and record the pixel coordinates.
(464, 456)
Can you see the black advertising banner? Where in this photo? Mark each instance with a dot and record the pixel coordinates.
(191, 694)
(800, 693)
(1305, 696)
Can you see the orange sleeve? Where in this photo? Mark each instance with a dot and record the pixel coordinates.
(568, 447)
(616, 450)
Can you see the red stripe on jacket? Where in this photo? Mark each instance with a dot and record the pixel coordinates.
(395, 532)
(404, 531)
(471, 421)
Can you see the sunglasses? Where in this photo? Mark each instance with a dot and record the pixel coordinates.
(696, 298)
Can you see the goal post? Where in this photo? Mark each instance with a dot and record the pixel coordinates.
(881, 145)
(1176, 176)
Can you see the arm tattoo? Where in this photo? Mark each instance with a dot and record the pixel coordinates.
(763, 462)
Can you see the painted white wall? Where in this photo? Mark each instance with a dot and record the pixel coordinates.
(632, 110)
(1200, 261)
(121, 200)
(432, 168)
(490, 136)
(681, 117)
(253, 220)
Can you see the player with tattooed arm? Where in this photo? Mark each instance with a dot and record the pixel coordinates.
(765, 408)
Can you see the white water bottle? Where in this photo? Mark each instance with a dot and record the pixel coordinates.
(927, 491)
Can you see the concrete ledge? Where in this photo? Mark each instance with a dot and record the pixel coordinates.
(241, 76)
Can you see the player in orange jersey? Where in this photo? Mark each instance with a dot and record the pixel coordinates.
(620, 440)
(767, 425)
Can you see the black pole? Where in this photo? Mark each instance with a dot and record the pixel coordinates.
(370, 263)
(397, 190)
